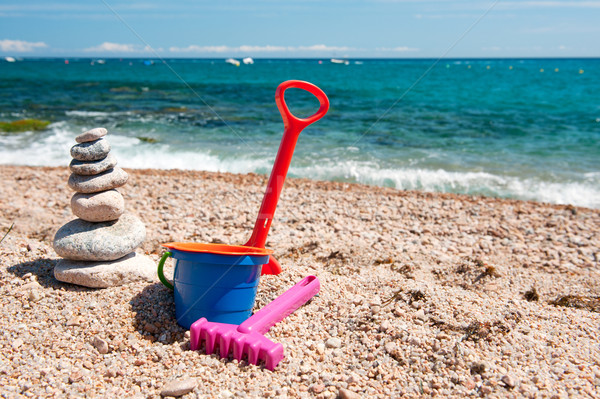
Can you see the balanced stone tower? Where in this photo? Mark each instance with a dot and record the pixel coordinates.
(99, 247)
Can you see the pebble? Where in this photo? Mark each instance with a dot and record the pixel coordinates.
(508, 381)
(111, 178)
(98, 207)
(179, 387)
(82, 240)
(130, 268)
(347, 394)
(75, 321)
(320, 348)
(35, 295)
(390, 347)
(333, 342)
(93, 167)
(91, 135)
(91, 150)
(100, 345)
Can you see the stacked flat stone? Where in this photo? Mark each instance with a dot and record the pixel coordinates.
(99, 247)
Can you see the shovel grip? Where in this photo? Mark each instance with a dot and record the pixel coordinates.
(291, 122)
(293, 126)
(282, 306)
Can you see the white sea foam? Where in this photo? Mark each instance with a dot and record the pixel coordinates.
(95, 113)
(51, 148)
(585, 194)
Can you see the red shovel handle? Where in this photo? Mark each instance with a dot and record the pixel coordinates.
(291, 122)
(293, 126)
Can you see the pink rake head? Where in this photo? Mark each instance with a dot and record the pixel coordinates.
(248, 338)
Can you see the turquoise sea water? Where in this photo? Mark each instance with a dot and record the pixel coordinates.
(527, 129)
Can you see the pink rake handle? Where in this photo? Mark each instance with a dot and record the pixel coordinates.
(292, 128)
(284, 305)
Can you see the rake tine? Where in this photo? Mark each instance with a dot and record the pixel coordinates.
(238, 347)
(224, 342)
(253, 352)
(274, 356)
(195, 334)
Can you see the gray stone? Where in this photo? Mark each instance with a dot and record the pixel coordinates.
(130, 268)
(100, 344)
(98, 207)
(179, 387)
(91, 135)
(88, 168)
(333, 342)
(91, 150)
(82, 240)
(112, 178)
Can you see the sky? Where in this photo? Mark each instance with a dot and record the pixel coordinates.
(300, 28)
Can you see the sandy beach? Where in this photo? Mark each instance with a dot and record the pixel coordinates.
(422, 294)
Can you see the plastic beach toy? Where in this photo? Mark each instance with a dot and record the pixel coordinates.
(215, 281)
(292, 128)
(248, 338)
(218, 281)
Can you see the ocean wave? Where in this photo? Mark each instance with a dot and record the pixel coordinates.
(586, 194)
(52, 148)
(93, 114)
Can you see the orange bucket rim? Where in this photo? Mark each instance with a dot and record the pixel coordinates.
(218, 249)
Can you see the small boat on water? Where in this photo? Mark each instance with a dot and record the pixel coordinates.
(340, 61)
(232, 61)
(9, 59)
(248, 61)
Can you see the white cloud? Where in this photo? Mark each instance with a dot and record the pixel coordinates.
(548, 4)
(20, 46)
(400, 49)
(108, 47)
(113, 48)
(257, 49)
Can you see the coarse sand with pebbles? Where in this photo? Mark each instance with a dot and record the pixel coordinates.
(421, 294)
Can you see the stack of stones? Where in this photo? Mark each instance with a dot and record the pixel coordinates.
(99, 247)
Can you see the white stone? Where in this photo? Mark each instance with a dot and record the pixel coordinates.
(107, 180)
(91, 135)
(130, 268)
(98, 207)
(93, 167)
(99, 241)
(91, 150)
(179, 387)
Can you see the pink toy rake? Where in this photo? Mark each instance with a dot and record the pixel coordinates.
(248, 338)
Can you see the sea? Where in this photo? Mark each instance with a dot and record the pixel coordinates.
(511, 128)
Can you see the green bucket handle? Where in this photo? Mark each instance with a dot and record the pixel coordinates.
(161, 275)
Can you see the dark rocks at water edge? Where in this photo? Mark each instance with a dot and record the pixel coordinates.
(88, 168)
(91, 150)
(102, 274)
(98, 207)
(112, 178)
(83, 240)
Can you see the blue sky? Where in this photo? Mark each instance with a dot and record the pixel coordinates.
(307, 28)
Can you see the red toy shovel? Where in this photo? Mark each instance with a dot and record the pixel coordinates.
(293, 126)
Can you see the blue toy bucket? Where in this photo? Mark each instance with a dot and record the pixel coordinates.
(214, 281)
